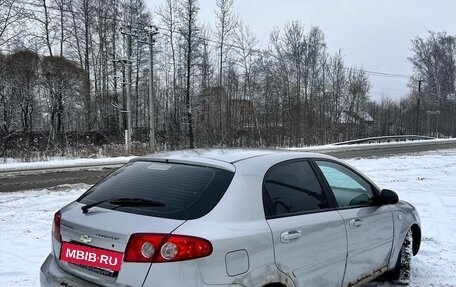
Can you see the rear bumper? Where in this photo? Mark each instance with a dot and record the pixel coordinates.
(52, 275)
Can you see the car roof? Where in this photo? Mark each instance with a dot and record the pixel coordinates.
(225, 155)
(224, 158)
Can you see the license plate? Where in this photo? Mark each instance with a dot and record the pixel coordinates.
(101, 271)
(90, 256)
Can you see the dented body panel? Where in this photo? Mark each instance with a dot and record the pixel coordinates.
(321, 248)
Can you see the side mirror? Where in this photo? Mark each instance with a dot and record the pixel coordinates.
(388, 197)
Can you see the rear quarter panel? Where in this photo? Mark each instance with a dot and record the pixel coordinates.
(238, 223)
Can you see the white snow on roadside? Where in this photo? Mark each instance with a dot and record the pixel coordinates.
(25, 237)
(374, 145)
(9, 164)
(65, 163)
(427, 180)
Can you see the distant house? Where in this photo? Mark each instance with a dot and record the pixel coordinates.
(361, 117)
(354, 124)
(212, 108)
(218, 114)
(242, 113)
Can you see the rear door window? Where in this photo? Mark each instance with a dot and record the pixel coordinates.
(292, 188)
(186, 191)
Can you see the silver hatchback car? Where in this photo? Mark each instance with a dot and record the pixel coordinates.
(232, 218)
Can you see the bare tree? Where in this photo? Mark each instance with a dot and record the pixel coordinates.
(246, 56)
(230, 93)
(62, 7)
(337, 78)
(168, 15)
(62, 79)
(22, 76)
(86, 16)
(4, 114)
(434, 65)
(190, 31)
(12, 17)
(48, 28)
(225, 28)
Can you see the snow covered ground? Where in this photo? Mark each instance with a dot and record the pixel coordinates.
(62, 163)
(427, 180)
(25, 220)
(10, 164)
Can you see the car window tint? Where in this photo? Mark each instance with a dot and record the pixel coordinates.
(186, 191)
(348, 188)
(292, 188)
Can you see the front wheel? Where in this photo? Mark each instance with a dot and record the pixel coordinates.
(403, 270)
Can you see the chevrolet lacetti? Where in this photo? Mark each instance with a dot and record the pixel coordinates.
(232, 218)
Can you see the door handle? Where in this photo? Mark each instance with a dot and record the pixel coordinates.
(290, 236)
(355, 223)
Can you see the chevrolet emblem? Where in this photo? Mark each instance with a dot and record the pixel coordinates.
(85, 238)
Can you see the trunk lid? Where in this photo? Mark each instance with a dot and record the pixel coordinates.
(110, 230)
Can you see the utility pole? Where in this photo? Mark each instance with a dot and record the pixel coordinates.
(129, 129)
(121, 106)
(418, 108)
(128, 62)
(152, 32)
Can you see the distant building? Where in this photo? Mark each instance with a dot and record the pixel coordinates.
(212, 109)
(242, 113)
(361, 117)
(355, 124)
(217, 114)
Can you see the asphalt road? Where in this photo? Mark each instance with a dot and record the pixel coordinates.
(36, 180)
(383, 152)
(10, 182)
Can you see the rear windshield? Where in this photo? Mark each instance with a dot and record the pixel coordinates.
(186, 191)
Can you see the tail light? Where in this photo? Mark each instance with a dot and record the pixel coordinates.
(56, 226)
(144, 247)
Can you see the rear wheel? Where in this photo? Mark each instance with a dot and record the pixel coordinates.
(402, 271)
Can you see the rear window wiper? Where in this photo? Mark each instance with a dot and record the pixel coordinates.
(126, 201)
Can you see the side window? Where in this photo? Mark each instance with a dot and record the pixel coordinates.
(292, 188)
(348, 188)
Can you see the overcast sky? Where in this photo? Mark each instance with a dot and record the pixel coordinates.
(373, 34)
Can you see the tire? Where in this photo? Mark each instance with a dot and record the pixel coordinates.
(402, 272)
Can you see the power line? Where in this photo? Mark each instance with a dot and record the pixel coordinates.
(373, 87)
(379, 74)
(383, 74)
(386, 94)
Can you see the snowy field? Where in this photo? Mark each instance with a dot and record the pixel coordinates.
(427, 180)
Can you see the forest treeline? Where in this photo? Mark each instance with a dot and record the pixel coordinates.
(63, 81)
